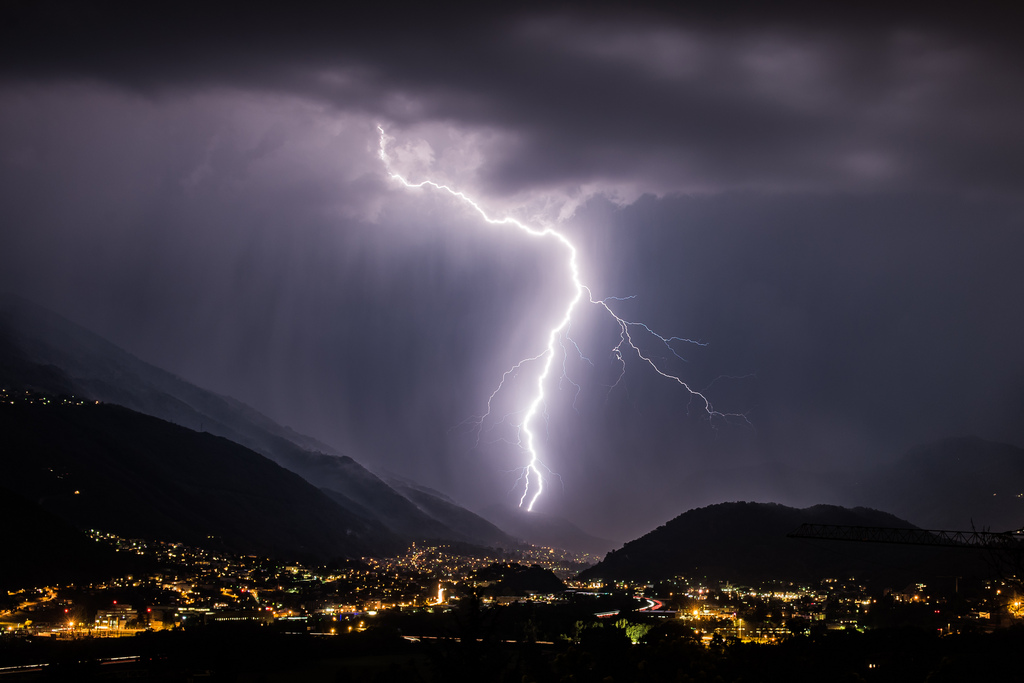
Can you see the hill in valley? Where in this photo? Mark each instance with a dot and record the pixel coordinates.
(515, 579)
(748, 542)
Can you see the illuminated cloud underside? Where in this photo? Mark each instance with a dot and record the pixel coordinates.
(530, 474)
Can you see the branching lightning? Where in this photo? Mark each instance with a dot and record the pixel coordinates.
(557, 338)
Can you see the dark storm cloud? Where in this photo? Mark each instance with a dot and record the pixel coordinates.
(792, 99)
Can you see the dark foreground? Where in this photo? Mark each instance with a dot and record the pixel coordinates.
(669, 653)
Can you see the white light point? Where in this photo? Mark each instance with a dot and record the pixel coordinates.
(527, 437)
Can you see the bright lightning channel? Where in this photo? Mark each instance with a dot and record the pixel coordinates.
(557, 337)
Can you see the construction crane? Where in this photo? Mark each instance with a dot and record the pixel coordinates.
(1005, 549)
(985, 540)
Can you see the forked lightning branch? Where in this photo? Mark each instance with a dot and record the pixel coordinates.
(532, 479)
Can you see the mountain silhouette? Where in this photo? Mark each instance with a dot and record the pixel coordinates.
(101, 466)
(748, 542)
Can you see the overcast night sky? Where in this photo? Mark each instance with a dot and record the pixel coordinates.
(832, 204)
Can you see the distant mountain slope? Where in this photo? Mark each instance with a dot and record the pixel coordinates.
(42, 351)
(106, 467)
(747, 541)
(344, 476)
(546, 530)
(953, 484)
(455, 517)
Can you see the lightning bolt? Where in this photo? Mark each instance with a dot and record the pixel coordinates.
(558, 336)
